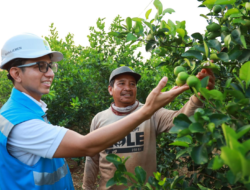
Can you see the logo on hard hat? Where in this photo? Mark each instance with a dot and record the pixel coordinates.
(46, 44)
(13, 50)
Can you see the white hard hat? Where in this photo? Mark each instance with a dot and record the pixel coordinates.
(27, 46)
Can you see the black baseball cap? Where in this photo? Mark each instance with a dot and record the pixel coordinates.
(124, 70)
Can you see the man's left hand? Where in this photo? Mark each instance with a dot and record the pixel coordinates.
(204, 73)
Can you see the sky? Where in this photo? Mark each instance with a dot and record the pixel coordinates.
(76, 16)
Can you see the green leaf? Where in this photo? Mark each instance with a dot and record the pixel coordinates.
(242, 131)
(228, 133)
(181, 152)
(235, 35)
(192, 54)
(199, 154)
(206, 49)
(158, 6)
(217, 163)
(131, 176)
(180, 122)
(213, 94)
(181, 32)
(211, 127)
(204, 82)
(243, 41)
(245, 73)
(187, 139)
(239, 21)
(245, 56)
(148, 13)
(235, 15)
(175, 181)
(231, 11)
(246, 144)
(168, 10)
(150, 45)
(236, 93)
(203, 188)
(225, 2)
(196, 128)
(232, 159)
(197, 36)
(114, 33)
(240, 82)
(215, 44)
(137, 19)
(234, 53)
(232, 179)
(204, 16)
(223, 56)
(140, 174)
(172, 27)
(218, 119)
(209, 3)
(179, 143)
(111, 182)
(200, 48)
(149, 25)
(191, 65)
(227, 41)
(131, 37)
(183, 132)
(129, 23)
(113, 158)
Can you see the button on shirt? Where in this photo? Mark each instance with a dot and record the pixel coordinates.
(33, 139)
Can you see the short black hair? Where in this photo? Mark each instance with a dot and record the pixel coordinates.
(111, 83)
(14, 63)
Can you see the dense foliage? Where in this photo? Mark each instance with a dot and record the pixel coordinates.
(214, 142)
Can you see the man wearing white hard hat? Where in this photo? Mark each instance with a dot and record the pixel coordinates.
(32, 149)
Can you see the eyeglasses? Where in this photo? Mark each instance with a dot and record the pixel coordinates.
(43, 66)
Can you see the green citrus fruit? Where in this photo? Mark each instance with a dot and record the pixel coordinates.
(217, 9)
(150, 37)
(213, 35)
(178, 69)
(214, 57)
(247, 22)
(224, 29)
(213, 27)
(179, 82)
(183, 76)
(247, 5)
(192, 81)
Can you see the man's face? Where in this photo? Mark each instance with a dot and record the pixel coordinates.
(32, 81)
(124, 90)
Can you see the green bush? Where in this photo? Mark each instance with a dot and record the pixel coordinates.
(5, 87)
(214, 142)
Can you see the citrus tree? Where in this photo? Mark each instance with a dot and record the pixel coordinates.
(214, 142)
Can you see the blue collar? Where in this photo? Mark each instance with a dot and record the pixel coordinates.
(20, 98)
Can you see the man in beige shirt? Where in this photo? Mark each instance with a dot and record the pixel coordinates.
(140, 144)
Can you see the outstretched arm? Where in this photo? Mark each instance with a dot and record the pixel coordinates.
(76, 145)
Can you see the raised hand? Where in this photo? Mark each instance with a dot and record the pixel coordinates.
(157, 99)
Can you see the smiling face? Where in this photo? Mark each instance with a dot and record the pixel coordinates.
(31, 80)
(124, 90)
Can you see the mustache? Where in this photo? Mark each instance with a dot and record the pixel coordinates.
(131, 93)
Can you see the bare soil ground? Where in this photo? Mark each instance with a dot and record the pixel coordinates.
(76, 172)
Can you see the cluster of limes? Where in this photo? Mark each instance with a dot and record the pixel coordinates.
(183, 77)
